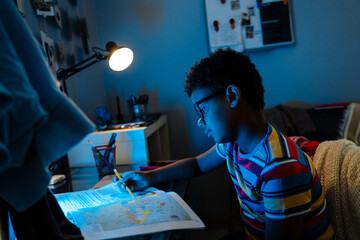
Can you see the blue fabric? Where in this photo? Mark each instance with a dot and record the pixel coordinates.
(16, 93)
(38, 123)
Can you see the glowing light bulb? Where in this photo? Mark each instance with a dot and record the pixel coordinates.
(120, 59)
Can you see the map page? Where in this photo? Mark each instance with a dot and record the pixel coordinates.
(107, 212)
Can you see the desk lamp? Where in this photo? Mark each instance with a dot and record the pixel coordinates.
(119, 58)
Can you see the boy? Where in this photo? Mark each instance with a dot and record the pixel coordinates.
(278, 188)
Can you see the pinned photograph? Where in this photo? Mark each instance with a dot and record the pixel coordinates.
(235, 4)
(44, 7)
(249, 31)
(251, 10)
(245, 19)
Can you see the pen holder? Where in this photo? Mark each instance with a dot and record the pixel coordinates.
(138, 111)
(103, 168)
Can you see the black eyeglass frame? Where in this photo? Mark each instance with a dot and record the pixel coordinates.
(198, 110)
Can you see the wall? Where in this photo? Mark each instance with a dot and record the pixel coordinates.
(86, 88)
(323, 65)
(168, 36)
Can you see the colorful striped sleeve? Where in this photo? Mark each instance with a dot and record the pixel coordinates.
(286, 189)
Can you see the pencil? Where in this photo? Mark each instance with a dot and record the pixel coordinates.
(114, 169)
(126, 186)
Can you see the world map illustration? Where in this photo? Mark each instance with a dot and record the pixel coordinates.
(151, 208)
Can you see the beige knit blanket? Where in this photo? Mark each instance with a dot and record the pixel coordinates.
(338, 165)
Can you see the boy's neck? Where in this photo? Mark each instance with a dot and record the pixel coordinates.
(252, 130)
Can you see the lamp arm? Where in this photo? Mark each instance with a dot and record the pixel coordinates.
(63, 74)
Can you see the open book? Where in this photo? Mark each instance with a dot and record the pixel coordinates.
(107, 212)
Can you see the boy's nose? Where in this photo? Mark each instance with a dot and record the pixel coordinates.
(201, 123)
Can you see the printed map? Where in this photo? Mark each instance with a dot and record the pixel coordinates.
(107, 213)
(148, 209)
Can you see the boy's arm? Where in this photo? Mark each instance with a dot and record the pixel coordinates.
(185, 168)
(188, 167)
(283, 229)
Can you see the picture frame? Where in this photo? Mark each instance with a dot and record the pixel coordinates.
(49, 47)
(44, 7)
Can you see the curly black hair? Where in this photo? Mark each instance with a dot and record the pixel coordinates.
(225, 67)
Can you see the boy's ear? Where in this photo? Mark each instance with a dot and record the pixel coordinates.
(233, 95)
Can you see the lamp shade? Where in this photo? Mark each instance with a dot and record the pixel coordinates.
(119, 57)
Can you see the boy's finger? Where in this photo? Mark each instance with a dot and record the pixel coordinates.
(127, 175)
(121, 187)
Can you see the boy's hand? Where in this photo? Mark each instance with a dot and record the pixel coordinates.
(134, 180)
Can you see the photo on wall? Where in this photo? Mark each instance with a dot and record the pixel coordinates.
(49, 47)
(44, 7)
(246, 25)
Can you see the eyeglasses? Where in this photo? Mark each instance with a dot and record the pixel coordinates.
(200, 112)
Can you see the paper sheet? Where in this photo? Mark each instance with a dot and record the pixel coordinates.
(73, 201)
(108, 213)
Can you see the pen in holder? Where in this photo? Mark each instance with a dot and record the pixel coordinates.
(103, 168)
(138, 106)
(138, 111)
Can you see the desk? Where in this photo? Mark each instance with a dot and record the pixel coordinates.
(138, 145)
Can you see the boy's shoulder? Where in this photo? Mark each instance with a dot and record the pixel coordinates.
(224, 149)
(274, 146)
(281, 145)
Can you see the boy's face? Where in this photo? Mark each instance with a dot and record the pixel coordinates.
(215, 111)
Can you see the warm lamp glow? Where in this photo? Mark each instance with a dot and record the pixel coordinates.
(120, 59)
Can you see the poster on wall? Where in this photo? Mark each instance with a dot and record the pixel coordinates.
(223, 24)
(246, 25)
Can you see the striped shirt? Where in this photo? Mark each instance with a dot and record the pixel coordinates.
(277, 180)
